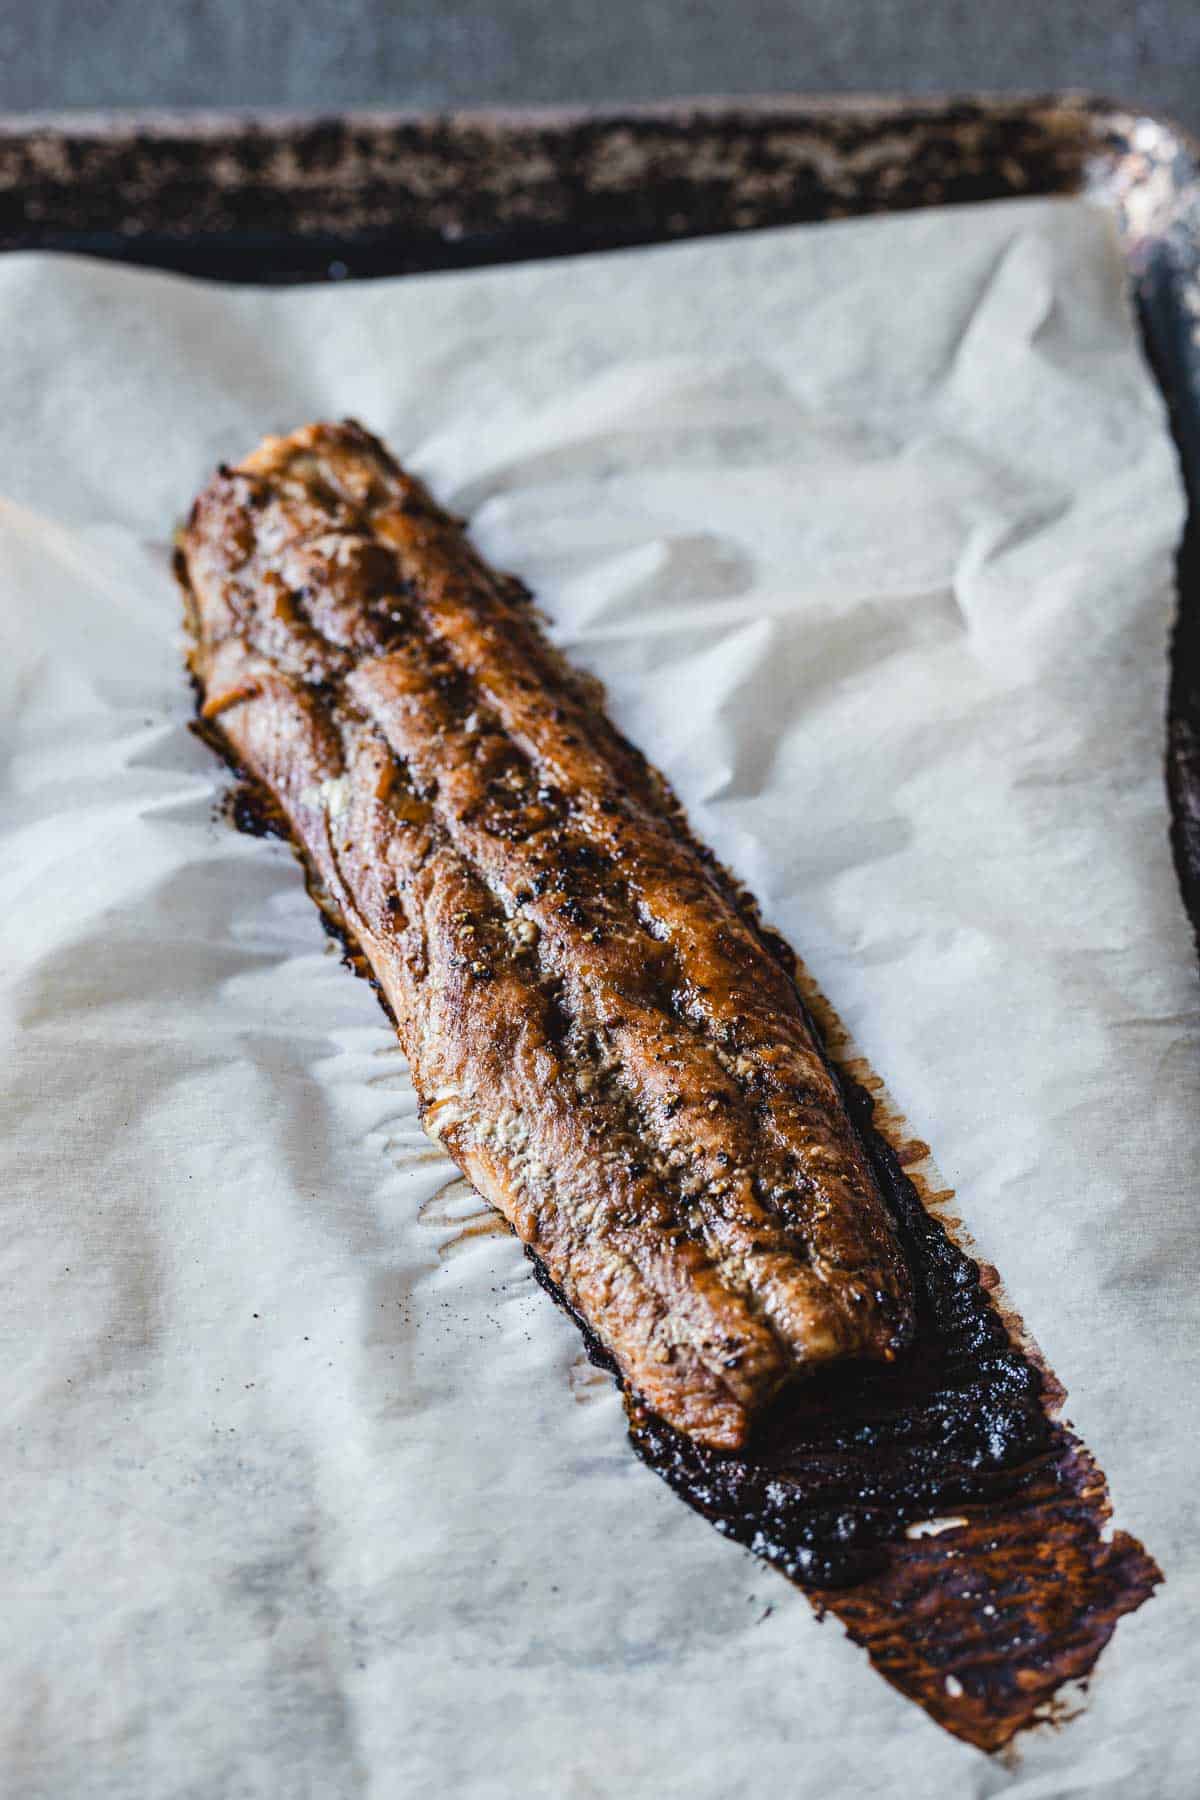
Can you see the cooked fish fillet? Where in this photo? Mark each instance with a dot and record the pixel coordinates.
(600, 1033)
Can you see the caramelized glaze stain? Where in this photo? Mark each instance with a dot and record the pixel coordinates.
(979, 1622)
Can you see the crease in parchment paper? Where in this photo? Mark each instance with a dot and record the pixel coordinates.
(868, 529)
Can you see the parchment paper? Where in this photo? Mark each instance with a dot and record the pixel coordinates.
(868, 528)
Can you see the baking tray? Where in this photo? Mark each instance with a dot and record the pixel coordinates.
(286, 199)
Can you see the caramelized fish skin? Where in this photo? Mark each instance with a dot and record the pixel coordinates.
(599, 1031)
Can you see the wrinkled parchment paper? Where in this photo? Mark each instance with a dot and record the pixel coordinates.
(868, 528)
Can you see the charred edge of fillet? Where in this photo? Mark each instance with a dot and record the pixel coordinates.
(593, 1348)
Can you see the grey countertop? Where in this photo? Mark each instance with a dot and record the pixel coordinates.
(331, 54)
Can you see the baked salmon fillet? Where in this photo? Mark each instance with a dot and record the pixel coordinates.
(601, 1033)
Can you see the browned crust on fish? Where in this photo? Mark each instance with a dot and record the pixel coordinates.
(600, 1032)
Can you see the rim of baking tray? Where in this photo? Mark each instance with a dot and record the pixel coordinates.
(377, 190)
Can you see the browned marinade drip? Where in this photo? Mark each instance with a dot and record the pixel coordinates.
(615, 1052)
(1009, 1584)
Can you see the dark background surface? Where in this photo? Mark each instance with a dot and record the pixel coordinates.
(326, 55)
